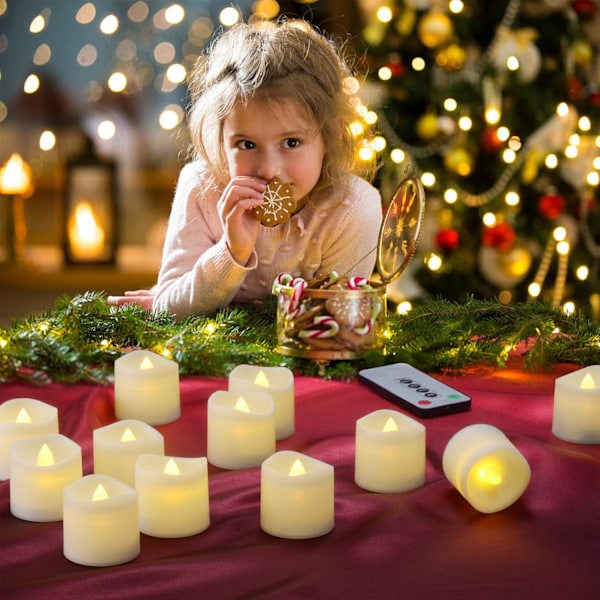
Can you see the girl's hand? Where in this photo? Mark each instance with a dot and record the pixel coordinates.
(143, 298)
(241, 229)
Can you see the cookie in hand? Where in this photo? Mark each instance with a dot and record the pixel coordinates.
(278, 204)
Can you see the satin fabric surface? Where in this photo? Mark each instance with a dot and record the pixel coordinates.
(424, 544)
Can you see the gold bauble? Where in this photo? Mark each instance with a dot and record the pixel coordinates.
(583, 53)
(459, 161)
(515, 263)
(427, 126)
(434, 29)
(451, 58)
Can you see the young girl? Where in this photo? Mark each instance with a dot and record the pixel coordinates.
(268, 101)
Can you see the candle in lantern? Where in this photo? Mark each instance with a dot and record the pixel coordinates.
(390, 452)
(576, 416)
(15, 176)
(100, 522)
(485, 467)
(147, 388)
(40, 468)
(173, 495)
(86, 235)
(117, 447)
(240, 429)
(278, 382)
(296, 496)
(21, 418)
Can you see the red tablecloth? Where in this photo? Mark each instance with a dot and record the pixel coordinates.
(428, 543)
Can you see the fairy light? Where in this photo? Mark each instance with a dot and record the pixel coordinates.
(109, 24)
(210, 328)
(551, 161)
(512, 198)
(106, 130)
(456, 6)
(593, 178)
(170, 117)
(32, 84)
(176, 73)
(229, 16)
(428, 179)
(562, 109)
(117, 82)
(104, 344)
(571, 151)
(3, 343)
(450, 196)
(174, 14)
(503, 133)
(509, 156)
(38, 24)
(582, 272)
(559, 233)
(398, 155)
(418, 63)
(47, 140)
(379, 143)
(43, 327)
(404, 307)
(584, 123)
(512, 63)
(465, 123)
(450, 104)
(596, 163)
(434, 262)
(356, 128)
(534, 289)
(569, 307)
(384, 14)
(489, 219)
(384, 73)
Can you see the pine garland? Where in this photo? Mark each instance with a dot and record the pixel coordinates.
(81, 338)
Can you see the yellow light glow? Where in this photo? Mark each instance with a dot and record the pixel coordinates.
(450, 196)
(489, 219)
(174, 14)
(584, 123)
(261, 379)
(562, 110)
(23, 417)
(512, 63)
(356, 128)
(559, 233)
(117, 82)
(229, 16)
(384, 73)
(582, 272)
(404, 307)
(297, 469)
(434, 262)
(588, 383)
(45, 458)
(128, 435)
(366, 154)
(15, 176)
(32, 84)
(106, 130)
(450, 104)
(242, 405)
(512, 198)
(490, 475)
(171, 468)
(47, 140)
(176, 73)
(86, 234)
(397, 155)
(100, 493)
(534, 289)
(37, 24)
(109, 24)
(551, 161)
(456, 6)
(563, 248)
(492, 116)
(465, 123)
(146, 364)
(509, 156)
(418, 64)
(390, 425)
(428, 179)
(568, 308)
(384, 14)
(503, 133)
(593, 178)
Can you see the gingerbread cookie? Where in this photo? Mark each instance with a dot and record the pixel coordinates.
(278, 204)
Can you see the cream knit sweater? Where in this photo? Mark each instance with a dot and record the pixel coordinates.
(199, 275)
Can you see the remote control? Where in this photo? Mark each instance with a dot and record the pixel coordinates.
(414, 390)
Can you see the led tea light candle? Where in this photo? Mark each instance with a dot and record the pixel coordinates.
(278, 382)
(240, 429)
(173, 495)
(296, 496)
(85, 233)
(100, 522)
(147, 388)
(117, 447)
(576, 416)
(40, 468)
(390, 452)
(21, 418)
(485, 467)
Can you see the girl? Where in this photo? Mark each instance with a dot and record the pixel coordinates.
(268, 101)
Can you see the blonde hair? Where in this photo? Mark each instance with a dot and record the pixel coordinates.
(285, 61)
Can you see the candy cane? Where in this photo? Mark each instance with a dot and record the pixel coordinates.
(332, 328)
(368, 326)
(299, 285)
(359, 283)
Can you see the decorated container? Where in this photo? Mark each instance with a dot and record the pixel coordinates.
(335, 317)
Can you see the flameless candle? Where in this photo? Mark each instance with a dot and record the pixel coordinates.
(173, 495)
(278, 382)
(240, 429)
(21, 418)
(485, 467)
(576, 415)
(100, 522)
(86, 236)
(118, 446)
(40, 468)
(390, 452)
(296, 496)
(147, 388)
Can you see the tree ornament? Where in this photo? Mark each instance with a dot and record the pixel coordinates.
(451, 58)
(505, 270)
(575, 89)
(550, 205)
(447, 239)
(489, 140)
(584, 8)
(500, 236)
(583, 53)
(434, 29)
(427, 126)
(459, 161)
(520, 45)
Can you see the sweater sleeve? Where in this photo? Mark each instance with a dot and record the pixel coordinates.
(198, 274)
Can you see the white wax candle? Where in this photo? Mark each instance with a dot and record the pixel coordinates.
(173, 495)
(40, 468)
(485, 467)
(296, 496)
(117, 446)
(147, 388)
(21, 418)
(390, 452)
(278, 382)
(576, 415)
(100, 522)
(240, 429)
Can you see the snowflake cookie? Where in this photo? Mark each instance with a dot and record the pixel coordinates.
(278, 204)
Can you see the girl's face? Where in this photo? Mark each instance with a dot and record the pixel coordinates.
(274, 139)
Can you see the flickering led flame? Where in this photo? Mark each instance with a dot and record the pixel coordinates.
(15, 175)
(229, 16)
(297, 469)
(171, 468)
(100, 493)
(261, 379)
(390, 425)
(242, 405)
(490, 475)
(86, 231)
(23, 417)
(588, 382)
(146, 364)
(128, 435)
(45, 458)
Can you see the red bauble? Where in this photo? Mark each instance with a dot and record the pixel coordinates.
(551, 205)
(489, 140)
(447, 239)
(397, 68)
(575, 89)
(500, 236)
(584, 8)
(594, 98)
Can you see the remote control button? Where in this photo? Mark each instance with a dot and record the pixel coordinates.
(431, 395)
(424, 402)
(422, 390)
(404, 380)
(414, 385)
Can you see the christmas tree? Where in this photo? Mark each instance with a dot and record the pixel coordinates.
(496, 106)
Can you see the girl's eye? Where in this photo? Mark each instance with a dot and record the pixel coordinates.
(246, 145)
(291, 143)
